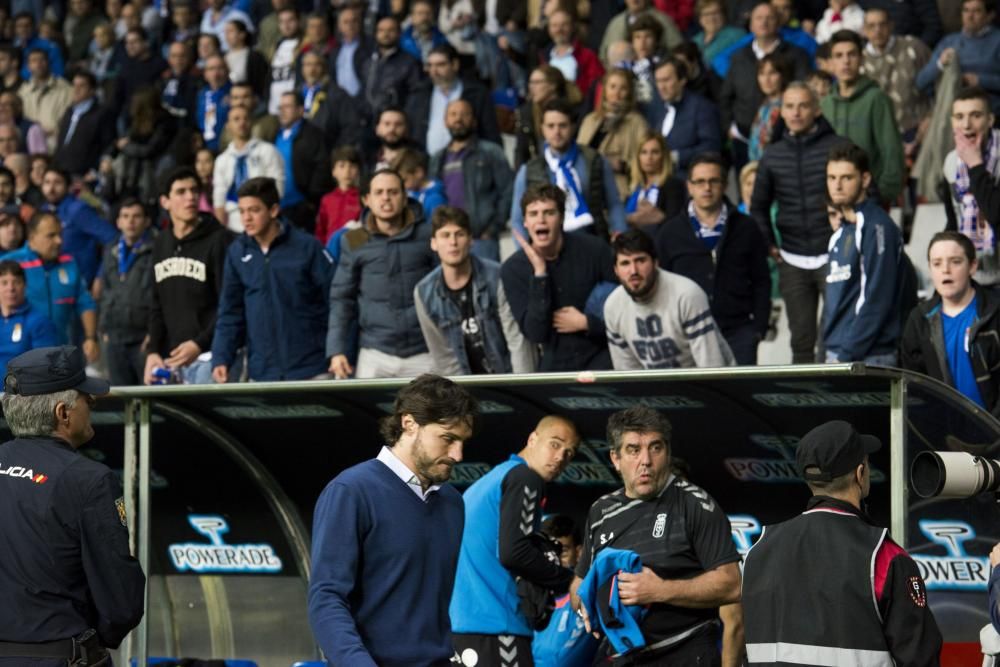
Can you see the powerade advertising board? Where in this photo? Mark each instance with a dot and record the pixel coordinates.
(736, 435)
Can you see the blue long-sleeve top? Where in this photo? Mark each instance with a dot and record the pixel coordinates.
(279, 302)
(24, 329)
(383, 567)
(56, 290)
(979, 55)
(84, 231)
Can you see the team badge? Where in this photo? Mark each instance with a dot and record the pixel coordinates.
(63, 277)
(917, 593)
(661, 523)
(120, 506)
(15, 336)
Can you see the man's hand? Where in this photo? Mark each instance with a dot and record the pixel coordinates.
(968, 149)
(341, 367)
(91, 350)
(641, 588)
(220, 374)
(153, 361)
(946, 57)
(183, 354)
(569, 320)
(775, 253)
(536, 260)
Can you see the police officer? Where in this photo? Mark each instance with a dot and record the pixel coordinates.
(70, 588)
(828, 587)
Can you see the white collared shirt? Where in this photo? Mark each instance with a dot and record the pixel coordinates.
(387, 457)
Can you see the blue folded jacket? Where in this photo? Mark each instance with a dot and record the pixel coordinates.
(599, 594)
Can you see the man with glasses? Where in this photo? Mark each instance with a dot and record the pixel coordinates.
(792, 174)
(722, 250)
(64, 521)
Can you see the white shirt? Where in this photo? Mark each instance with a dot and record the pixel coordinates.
(438, 136)
(387, 457)
(668, 119)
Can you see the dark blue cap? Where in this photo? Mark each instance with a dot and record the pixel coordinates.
(46, 370)
(831, 450)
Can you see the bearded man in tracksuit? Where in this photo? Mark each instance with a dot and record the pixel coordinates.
(867, 273)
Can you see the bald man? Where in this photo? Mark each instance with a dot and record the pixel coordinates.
(501, 551)
(486, 194)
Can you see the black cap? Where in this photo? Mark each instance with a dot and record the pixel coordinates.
(47, 370)
(834, 449)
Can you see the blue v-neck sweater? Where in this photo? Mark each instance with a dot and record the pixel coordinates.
(383, 566)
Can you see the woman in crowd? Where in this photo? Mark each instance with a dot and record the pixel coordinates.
(246, 65)
(615, 129)
(773, 73)
(151, 131)
(545, 83)
(657, 194)
(204, 164)
(716, 34)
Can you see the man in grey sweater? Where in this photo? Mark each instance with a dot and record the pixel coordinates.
(658, 319)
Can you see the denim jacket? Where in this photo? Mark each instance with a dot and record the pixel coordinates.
(441, 321)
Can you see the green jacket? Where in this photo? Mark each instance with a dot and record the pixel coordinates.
(867, 118)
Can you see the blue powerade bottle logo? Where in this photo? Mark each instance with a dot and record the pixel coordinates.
(218, 556)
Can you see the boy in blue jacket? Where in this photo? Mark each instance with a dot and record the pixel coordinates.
(275, 294)
(866, 278)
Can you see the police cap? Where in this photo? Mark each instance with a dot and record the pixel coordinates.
(831, 450)
(46, 370)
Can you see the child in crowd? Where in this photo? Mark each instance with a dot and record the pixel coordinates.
(412, 166)
(204, 164)
(343, 203)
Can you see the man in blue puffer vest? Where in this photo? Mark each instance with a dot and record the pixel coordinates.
(275, 294)
(503, 509)
(22, 327)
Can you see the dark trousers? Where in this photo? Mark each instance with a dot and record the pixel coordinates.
(126, 363)
(493, 650)
(701, 650)
(743, 342)
(801, 290)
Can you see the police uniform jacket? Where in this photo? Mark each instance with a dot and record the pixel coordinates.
(65, 564)
(829, 587)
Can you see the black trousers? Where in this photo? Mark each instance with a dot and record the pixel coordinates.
(801, 290)
(493, 650)
(701, 650)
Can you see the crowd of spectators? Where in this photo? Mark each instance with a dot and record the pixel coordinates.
(285, 190)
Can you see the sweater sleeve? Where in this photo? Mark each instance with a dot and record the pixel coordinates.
(157, 326)
(521, 494)
(221, 179)
(890, 147)
(622, 356)
(880, 270)
(339, 527)
(530, 301)
(217, 261)
(701, 330)
(523, 354)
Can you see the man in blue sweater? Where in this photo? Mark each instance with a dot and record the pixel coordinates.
(499, 549)
(386, 536)
(864, 286)
(84, 231)
(275, 294)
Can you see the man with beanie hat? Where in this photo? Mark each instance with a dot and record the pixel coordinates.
(828, 587)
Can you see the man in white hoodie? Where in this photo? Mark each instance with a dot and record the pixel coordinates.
(243, 159)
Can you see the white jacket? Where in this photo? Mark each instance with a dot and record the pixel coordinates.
(263, 160)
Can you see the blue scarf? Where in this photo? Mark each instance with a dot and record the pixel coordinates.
(127, 256)
(240, 174)
(650, 194)
(567, 180)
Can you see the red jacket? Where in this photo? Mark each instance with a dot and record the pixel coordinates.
(681, 11)
(336, 209)
(589, 69)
